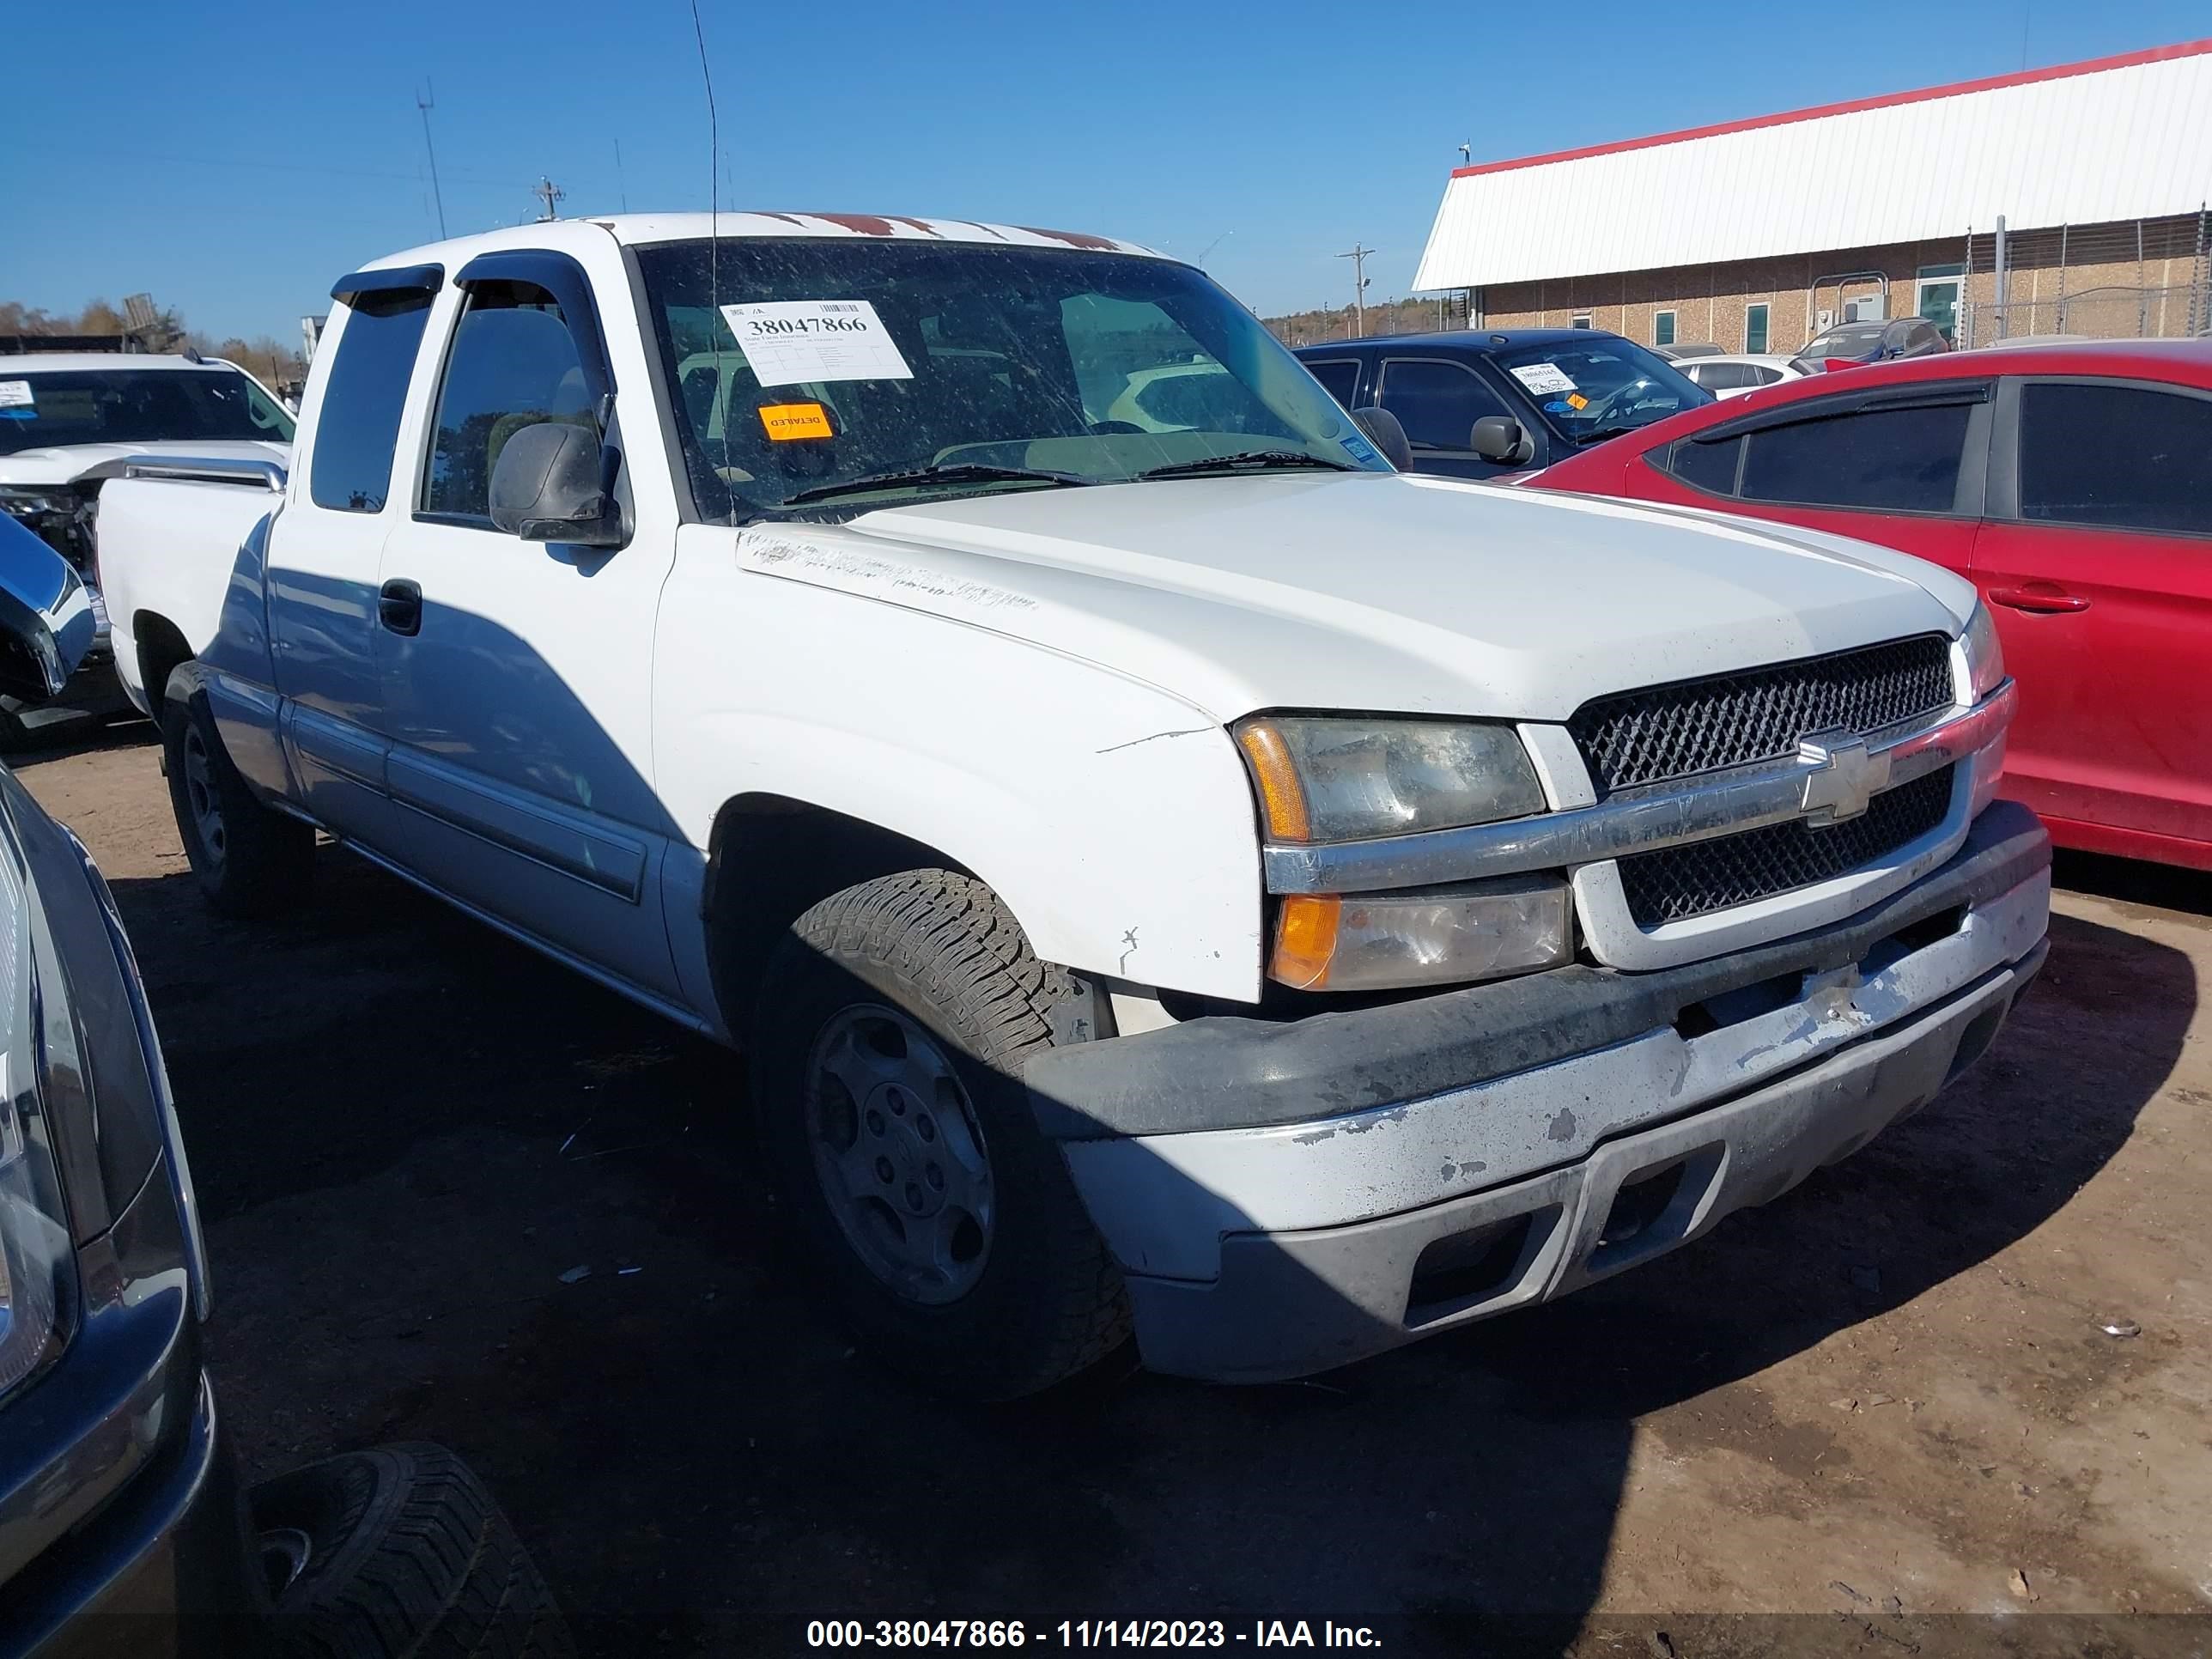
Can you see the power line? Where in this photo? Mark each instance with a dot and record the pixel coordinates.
(549, 193)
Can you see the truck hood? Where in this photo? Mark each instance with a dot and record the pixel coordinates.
(1373, 590)
(69, 463)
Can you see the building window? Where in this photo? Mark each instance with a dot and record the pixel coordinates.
(1754, 328)
(1581, 319)
(1662, 329)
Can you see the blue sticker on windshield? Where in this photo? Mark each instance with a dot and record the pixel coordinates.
(1557, 406)
(1359, 449)
(19, 414)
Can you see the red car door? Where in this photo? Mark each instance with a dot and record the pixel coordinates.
(2096, 562)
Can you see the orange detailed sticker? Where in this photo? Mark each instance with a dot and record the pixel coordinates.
(1576, 400)
(785, 421)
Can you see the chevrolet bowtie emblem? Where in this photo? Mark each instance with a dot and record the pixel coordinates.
(1846, 776)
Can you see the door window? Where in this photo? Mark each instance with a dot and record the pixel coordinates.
(2123, 457)
(1895, 460)
(1723, 377)
(1341, 375)
(513, 364)
(1436, 401)
(1754, 329)
(359, 424)
(1707, 466)
(1662, 328)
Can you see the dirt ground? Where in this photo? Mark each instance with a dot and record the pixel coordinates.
(1881, 1414)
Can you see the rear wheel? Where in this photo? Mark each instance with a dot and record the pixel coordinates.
(249, 861)
(887, 1048)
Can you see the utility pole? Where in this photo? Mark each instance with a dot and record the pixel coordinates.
(548, 192)
(1358, 255)
(425, 101)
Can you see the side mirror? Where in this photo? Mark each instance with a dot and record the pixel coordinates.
(549, 485)
(46, 620)
(1384, 431)
(1503, 439)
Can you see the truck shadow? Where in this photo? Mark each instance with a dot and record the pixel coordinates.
(696, 1452)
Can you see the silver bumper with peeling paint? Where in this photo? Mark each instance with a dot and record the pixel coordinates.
(1274, 1251)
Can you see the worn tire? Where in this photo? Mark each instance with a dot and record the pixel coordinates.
(941, 948)
(406, 1553)
(250, 860)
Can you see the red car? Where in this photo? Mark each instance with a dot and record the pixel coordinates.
(2073, 483)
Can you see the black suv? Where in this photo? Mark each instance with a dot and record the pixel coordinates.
(1537, 395)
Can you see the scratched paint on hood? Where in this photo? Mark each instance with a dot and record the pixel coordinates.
(870, 574)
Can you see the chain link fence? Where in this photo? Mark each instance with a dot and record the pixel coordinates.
(2136, 280)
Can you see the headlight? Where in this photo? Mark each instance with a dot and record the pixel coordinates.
(1435, 936)
(36, 1262)
(1985, 655)
(1323, 778)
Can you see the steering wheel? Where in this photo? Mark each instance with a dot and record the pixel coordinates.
(1604, 406)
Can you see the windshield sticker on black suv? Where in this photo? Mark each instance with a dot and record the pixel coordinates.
(1543, 377)
(788, 342)
(15, 394)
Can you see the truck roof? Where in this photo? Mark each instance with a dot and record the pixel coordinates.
(635, 230)
(14, 367)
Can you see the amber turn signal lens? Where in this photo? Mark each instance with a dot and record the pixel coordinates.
(1281, 795)
(1305, 940)
(1439, 936)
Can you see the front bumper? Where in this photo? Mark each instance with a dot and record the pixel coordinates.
(1284, 1199)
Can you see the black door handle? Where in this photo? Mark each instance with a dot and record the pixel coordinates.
(399, 606)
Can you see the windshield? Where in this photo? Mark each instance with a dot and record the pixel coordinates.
(1852, 340)
(43, 407)
(830, 363)
(1599, 388)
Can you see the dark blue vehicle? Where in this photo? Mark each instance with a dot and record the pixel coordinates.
(1538, 395)
(123, 1527)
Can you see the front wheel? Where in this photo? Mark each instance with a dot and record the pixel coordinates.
(249, 861)
(887, 1057)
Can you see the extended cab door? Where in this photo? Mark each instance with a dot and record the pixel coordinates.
(517, 676)
(2096, 561)
(325, 548)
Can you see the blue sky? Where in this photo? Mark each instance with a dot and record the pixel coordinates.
(235, 159)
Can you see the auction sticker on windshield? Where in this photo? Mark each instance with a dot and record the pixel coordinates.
(15, 394)
(1542, 377)
(791, 341)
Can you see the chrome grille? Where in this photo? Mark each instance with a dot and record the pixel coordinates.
(1674, 883)
(1665, 732)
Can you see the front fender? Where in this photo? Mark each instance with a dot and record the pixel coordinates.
(1114, 819)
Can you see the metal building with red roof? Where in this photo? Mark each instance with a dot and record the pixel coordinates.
(1753, 235)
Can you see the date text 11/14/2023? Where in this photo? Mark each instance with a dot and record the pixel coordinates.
(932, 1634)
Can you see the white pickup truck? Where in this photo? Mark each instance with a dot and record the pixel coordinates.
(1195, 879)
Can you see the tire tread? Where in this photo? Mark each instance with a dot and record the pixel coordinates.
(955, 938)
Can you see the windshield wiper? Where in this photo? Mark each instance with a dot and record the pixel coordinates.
(1602, 432)
(953, 472)
(1250, 461)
